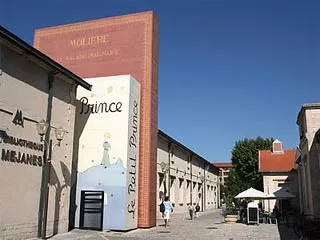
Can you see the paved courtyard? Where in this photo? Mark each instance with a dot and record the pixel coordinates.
(209, 226)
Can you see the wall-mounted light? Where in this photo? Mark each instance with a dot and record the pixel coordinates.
(202, 179)
(42, 128)
(164, 167)
(59, 134)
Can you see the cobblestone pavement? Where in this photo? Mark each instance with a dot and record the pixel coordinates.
(209, 226)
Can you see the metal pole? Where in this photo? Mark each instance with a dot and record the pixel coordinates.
(44, 183)
(268, 200)
(169, 179)
(47, 181)
(202, 198)
(191, 183)
(205, 188)
(42, 190)
(165, 183)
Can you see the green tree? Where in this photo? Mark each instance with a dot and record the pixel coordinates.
(245, 158)
(233, 186)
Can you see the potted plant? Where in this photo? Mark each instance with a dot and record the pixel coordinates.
(231, 215)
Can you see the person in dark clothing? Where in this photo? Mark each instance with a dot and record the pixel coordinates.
(243, 210)
(197, 210)
(276, 213)
(191, 210)
(260, 206)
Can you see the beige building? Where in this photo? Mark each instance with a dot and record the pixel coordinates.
(277, 168)
(37, 119)
(308, 163)
(33, 88)
(224, 169)
(185, 176)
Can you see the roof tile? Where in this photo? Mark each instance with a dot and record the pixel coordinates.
(269, 161)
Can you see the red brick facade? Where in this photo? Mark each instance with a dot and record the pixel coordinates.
(113, 46)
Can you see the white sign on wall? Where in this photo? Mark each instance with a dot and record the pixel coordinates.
(108, 121)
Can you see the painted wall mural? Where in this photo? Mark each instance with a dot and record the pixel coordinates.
(108, 152)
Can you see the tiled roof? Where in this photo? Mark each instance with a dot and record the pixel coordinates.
(223, 164)
(276, 162)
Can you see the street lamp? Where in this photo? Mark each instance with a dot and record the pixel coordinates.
(59, 134)
(164, 168)
(202, 178)
(42, 128)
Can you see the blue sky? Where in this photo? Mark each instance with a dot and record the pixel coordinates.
(228, 69)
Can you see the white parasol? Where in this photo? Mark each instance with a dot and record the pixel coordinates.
(251, 193)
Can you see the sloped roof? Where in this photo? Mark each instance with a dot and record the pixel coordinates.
(277, 162)
(223, 164)
(163, 134)
(9, 37)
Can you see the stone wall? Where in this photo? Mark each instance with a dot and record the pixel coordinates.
(272, 181)
(190, 178)
(309, 125)
(24, 87)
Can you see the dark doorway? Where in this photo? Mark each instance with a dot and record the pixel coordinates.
(91, 210)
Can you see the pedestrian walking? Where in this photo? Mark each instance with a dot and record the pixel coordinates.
(191, 210)
(223, 208)
(168, 208)
(197, 211)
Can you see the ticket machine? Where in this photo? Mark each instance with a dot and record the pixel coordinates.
(253, 213)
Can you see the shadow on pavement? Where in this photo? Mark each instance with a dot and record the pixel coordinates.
(166, 231)
(286, 233)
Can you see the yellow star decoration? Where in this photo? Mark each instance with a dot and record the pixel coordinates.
(110, 89)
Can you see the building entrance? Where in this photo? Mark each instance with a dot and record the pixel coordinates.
(91, 210)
